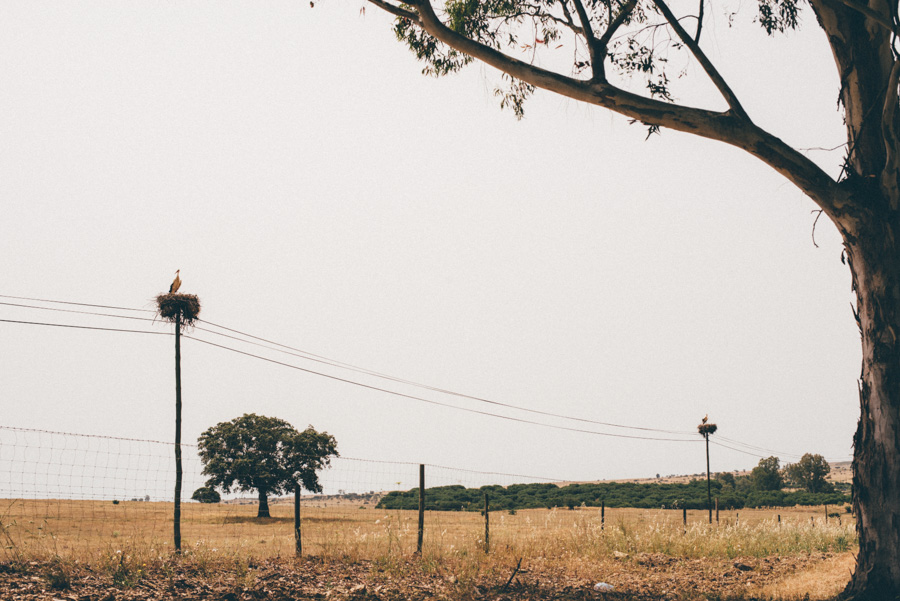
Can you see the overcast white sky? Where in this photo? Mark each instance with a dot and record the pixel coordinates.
(315, 189)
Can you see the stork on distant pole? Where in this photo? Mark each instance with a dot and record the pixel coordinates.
(706, 429)
(181, 310)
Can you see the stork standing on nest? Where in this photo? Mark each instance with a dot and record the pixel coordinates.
(176, 283)
(705, 417)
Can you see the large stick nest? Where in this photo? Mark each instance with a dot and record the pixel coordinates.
(706, 429)
(170, 306)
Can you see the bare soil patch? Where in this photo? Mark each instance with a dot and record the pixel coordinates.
(645, 576)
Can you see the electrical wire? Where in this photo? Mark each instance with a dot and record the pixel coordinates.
(77, 311)
(334, 363)
(770, 451)
(44, 300)
(430, 401)
(289, 350)
(63, 325)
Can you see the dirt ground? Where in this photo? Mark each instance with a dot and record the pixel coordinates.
(645, 577)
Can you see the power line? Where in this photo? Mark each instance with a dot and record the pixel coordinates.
(737, 450)
(63, 325)
(348, 381)
(44, 300)
(430, 401)
(77, 311)
(752, 454)
(762, 449)
(334, 363)
(326, 361)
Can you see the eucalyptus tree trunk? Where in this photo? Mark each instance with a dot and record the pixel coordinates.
(874, 257)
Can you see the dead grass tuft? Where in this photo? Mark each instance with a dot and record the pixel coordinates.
(821, 582)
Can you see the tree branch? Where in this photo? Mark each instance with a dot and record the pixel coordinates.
(699, 22)
(594, 51)
(614, 25)
(868, 12)
(397, 11)
(724, 127)
(891, 135)
(711, 71)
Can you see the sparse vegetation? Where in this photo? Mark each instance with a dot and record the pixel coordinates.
(641, 551)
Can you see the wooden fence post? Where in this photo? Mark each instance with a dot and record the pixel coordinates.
(684, 518)
(602, 514)
(487, 525)
(717, 511)
(297, 540)
(421, 509)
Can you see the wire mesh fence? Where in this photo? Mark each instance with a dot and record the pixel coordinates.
(75, 495)
(64, 493)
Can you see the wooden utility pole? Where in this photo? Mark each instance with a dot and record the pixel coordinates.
(181, 310)
(705, 430)
(708, 482)
(178, 469)
(421, 534)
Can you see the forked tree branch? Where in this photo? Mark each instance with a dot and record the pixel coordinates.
(614, 24)
(595, 51)
(725, 127)
(701, 57)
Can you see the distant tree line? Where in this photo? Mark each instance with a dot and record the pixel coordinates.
(762, 488)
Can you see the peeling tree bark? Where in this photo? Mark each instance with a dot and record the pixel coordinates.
(874, 258)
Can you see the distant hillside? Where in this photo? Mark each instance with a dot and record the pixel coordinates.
(840, 472)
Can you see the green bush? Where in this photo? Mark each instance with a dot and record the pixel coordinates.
(206, 494)
(691, 495)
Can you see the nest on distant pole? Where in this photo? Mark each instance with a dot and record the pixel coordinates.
(174, 308)
(707, 429)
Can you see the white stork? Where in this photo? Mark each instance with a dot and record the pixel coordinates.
(705, 417)
(176, 283)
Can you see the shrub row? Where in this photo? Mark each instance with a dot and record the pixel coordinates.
(613, 494)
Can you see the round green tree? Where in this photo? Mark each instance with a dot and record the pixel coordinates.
(767, 475)
(809, 473)
(265, 454)
(205, 494)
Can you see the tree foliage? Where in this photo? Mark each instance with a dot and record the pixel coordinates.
(691, 495)
(266, 454)
(205, 494)
(767, 474)
(809, 473)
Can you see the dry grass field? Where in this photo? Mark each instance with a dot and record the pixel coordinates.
(748, 554)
